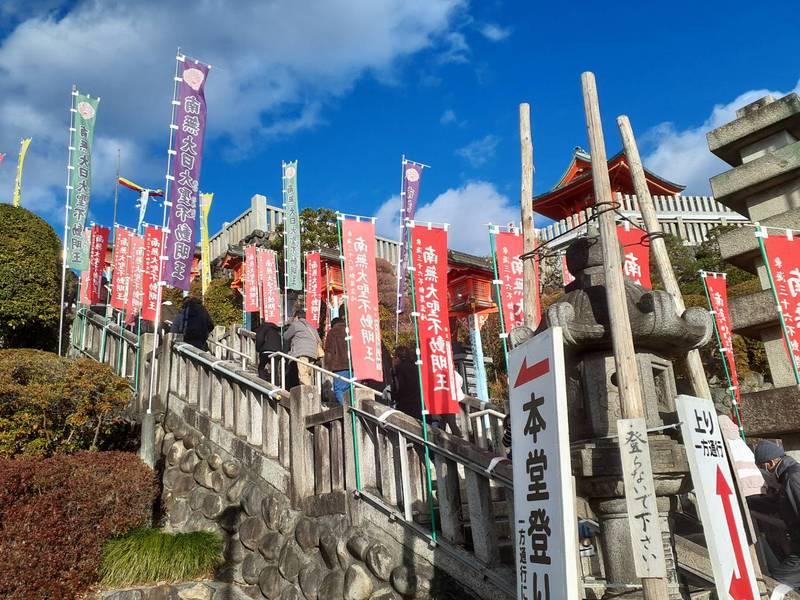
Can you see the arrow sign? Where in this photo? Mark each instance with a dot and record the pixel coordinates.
(527, 374)
(741, 586)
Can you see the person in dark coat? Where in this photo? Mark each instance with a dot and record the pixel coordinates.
(194, 323)
(336, 357)
(771, 457)
(268, 340)
(406, 393)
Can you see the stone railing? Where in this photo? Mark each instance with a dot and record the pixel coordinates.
(309, 453)
(261, 216)
(689, 218)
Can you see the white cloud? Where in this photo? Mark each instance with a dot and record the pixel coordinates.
(277, 66)
(494, 32)
(459, 208)
(456, 50)
(448, 117)
(480, 151)
(682, 155)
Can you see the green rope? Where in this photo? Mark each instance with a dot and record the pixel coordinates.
(411, 269)
(339, 218)
(503, 332)
(724, 363)
(786, 337)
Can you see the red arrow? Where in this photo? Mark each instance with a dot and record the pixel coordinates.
(527, 373)
(741, 586)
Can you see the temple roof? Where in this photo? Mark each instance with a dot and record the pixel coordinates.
(575, 190)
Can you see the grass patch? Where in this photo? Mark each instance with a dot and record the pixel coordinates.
(150, 555)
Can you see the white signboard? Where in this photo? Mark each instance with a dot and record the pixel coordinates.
(640, 498)
(719, 509)
(544, 503)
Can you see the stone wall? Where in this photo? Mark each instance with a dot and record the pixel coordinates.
(271, 550)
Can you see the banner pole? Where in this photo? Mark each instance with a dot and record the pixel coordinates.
(164, 223)
(722, 356)
(760, 232)
(73, 94)
(339, 219)
(415, 318)
(497, 284)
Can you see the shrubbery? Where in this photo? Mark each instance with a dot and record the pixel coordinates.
(50, 404)
(57, 513)
(30, 280)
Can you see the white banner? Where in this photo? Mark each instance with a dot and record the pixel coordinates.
(716, 500)
(544, 501)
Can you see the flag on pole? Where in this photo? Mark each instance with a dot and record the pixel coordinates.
(291, 228)
(251, 303)
(428, 250)
(23, 150)
(782, 256)
(636, 254)
(508, 249)
(151, 261)
(716, 289)
(361, 288)
(121, 288)
(190, 128)
(566, 276)
(205, 249)
(313, 288)
(409, 195)
(268, 284)
(80, 177)
(97, 262)
(133, 305)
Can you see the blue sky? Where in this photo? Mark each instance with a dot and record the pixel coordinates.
(347, 87)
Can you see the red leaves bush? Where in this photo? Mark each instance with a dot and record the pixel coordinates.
(56, 514)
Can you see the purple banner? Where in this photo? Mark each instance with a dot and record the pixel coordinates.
(190, 128)
(412, 176)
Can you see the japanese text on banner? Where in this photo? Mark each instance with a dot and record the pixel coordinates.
(121, 274)
(97, 262)
(151, 262)
(270, 291)
(716, 287)
(190, 126)
(429, 259)
(313, 289)
(635, 253)
(508, 249)
(251, 303)
(784, 265)
(291, 217)
(409, 196)
(80, 179)
(133, 304)
(361, 287)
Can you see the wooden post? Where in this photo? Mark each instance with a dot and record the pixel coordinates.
(694, 366)
(530, 296)
(630, 394)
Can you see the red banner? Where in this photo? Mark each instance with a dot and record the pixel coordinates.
(84, 296)
(508, 249)
(636, 255)
(429, 258)
(313, 288)
(133, 302)
(250, 279)
(151, 271)
(361, 287)
(268, 282)
(97, 262)
(716, 288)
(120, 288)
(566, 276)
(784, 265)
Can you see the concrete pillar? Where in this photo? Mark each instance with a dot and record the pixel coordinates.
(481, 386)
(258, 216)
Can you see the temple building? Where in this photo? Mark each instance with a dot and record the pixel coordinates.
(689, 218)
